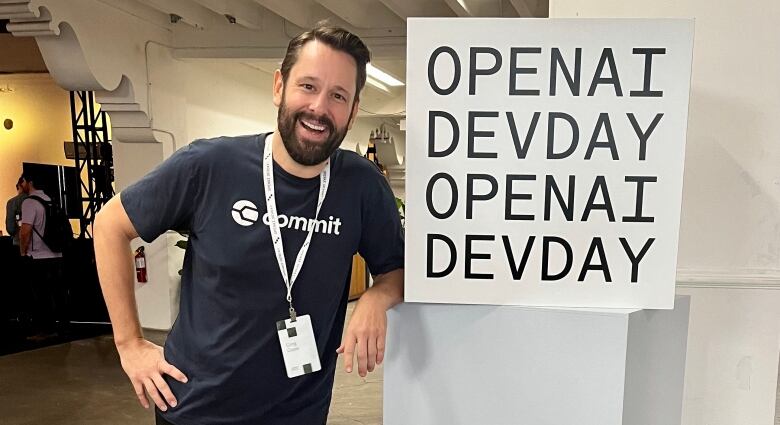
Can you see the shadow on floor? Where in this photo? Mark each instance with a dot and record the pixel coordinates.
(14, 338)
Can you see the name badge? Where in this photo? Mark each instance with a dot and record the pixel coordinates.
(299, 348)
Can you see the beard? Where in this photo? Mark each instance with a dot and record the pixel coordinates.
(302, 151)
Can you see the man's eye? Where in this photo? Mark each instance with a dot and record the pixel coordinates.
(307, 86)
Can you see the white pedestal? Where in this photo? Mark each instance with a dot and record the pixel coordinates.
(506, 365)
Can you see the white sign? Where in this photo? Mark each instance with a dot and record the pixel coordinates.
(545, 160)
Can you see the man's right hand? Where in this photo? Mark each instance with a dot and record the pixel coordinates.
(144, 364)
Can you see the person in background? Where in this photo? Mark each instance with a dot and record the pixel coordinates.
(13, 212)
(43, 266)
(14, 303)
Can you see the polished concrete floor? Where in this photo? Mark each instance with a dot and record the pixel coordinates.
(82, 383)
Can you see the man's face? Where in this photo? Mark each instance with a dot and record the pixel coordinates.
(25, 185)
(317, 103)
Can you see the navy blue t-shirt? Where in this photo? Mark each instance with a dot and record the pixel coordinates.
(232, 292)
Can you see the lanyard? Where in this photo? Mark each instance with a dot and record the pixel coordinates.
(273, 216)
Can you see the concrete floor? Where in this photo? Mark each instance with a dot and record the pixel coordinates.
(82, 383)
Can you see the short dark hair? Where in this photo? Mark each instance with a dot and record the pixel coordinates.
(28, 177)
(19, 182)
(337, 38)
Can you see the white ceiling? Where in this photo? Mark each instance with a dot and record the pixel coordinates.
(255, 32)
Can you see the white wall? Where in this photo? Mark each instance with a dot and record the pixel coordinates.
(731, 369)
(729, 258)
(227, 99)
(40, 111)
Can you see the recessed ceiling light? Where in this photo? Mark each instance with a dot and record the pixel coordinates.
(382, 76)
(377, 84)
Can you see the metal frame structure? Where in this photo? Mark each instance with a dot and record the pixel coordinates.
(94, 156)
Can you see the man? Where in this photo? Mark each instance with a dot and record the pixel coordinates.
(13, 210)
(13, 303)
(229, 354)
(44, 266)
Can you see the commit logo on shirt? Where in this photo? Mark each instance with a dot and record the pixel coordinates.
(245, 213)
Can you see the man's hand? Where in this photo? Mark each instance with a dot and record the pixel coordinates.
(144, 364)
(366, 331)
(365, 336)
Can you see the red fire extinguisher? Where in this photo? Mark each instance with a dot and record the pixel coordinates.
(140, 265)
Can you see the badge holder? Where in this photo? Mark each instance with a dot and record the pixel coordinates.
(299, 348)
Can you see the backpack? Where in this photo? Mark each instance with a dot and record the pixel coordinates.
(57, 231)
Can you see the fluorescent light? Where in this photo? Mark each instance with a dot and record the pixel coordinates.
(382, 76)
(377, 84)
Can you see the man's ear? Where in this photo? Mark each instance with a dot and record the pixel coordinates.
(278, 88)
(354, 114)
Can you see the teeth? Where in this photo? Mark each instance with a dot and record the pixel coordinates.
(313, 126)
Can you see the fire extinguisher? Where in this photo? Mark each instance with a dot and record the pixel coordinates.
(140, 265)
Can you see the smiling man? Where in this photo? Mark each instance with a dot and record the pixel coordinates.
(274, 220)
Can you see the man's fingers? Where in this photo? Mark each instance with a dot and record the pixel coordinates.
(380, 349)
(139, 392)
(151, 389)
(362, 355)
(372, 351)
(165, 390)
(349, 352)
(173, 372)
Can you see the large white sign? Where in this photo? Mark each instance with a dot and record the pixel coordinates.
(545, 160)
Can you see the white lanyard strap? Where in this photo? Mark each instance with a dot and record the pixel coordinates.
(273, 216)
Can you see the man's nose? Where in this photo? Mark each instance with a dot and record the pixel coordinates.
(318, 104)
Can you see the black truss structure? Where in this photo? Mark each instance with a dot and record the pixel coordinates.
(93, 156)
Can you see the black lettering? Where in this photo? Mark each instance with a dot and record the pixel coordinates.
(511, 196)
(473, 134)
(599, 185)
(522, 149)
(575, 135)
(429, 195)
(567, 206)
(635, 259)
(648, 52)
(588, 265)
(474, 71)
(640, 196)
(471, 197)
(557, 62)
(432, 70)
(644, 135)
(517, 269)
(602, 122)
(432, 115)
(546, 241)
(606, 59)
(429, 253)
(470, 256)
(514, 71)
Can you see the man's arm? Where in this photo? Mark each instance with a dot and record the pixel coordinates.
(10, 217)
(25, 235)
(366, 331)
(26, 229)
(142, 361)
